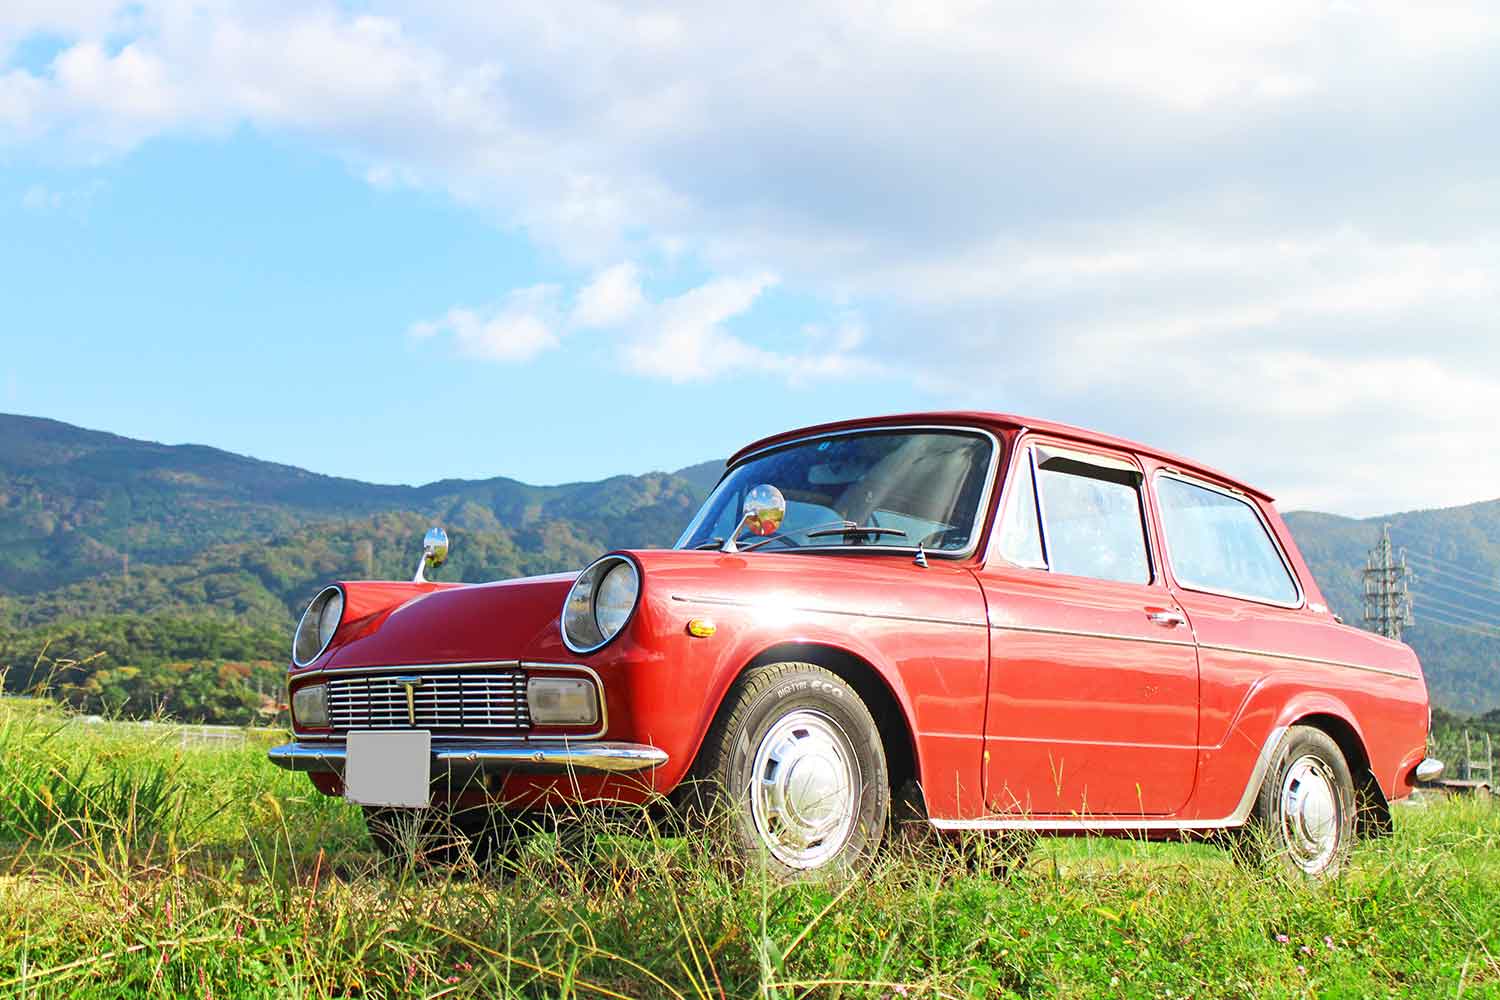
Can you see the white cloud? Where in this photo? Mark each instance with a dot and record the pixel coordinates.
(611, 298)
(685, 340)
(1261, 235)
(518, 330)
(682, 338)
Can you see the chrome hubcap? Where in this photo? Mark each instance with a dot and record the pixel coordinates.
(1311, 814)
(804, 789)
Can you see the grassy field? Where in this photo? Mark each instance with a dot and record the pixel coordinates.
(132, 866)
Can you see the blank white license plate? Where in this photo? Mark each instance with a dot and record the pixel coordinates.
(388, 769)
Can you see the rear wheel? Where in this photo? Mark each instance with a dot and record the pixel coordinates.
(1304, 815)
(795, 768)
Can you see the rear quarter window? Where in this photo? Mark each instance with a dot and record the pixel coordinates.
(1217, 542)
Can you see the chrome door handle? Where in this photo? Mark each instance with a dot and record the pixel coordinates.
(1166, 618)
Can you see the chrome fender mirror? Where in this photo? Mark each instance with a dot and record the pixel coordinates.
(434, 553)
(765, 509)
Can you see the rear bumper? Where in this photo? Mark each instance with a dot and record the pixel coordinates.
(550, 757)
(1430, 769)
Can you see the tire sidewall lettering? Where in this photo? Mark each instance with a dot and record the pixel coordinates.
(805, 686)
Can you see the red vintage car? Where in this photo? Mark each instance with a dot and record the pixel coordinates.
(1007, 623)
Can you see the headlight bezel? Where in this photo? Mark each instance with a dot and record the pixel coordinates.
(312, 617)
(574, 613)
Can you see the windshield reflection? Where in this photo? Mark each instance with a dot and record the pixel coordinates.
(893, 489)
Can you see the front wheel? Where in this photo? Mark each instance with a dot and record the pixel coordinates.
(1304, 815)
(795, 765)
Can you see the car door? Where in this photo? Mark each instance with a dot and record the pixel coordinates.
(1232, 577)
(1093, 690)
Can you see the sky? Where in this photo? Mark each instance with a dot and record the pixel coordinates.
(407, 242)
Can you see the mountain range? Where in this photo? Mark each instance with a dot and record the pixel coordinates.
(127, 567)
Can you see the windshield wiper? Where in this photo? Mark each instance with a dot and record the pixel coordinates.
(844, 528)
(850, 528)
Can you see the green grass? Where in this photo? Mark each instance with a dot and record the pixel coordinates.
(129, 866)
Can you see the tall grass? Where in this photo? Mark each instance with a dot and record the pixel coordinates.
(130, 866)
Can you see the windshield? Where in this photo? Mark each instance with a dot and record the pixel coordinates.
(919, 487)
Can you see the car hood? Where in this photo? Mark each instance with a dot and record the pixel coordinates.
(392, 625)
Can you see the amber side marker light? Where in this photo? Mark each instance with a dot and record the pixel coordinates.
(702, 627)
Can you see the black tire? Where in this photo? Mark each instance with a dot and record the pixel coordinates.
(1304, 815)
(806, 723)
(437, 837)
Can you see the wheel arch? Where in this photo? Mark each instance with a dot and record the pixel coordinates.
(875, 689)
(1373, 817)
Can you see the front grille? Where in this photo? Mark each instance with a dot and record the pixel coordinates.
(441, 701)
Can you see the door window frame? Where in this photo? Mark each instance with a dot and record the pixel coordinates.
(1260, 517)
(1024, 449)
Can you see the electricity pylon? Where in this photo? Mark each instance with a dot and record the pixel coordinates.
(1387, 599)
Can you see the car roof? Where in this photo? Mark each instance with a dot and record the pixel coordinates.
(1006, 421)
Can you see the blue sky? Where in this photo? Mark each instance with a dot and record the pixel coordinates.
(403, 242)
(253, 293)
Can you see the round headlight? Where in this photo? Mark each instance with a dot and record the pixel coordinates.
(319, 622)
(328, 618)
(615, 598)
(600, 603)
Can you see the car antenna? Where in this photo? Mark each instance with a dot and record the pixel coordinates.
(921, 557)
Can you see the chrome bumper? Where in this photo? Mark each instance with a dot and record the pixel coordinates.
(485, 758)
(1430, 769)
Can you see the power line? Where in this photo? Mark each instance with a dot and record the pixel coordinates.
(1477, 630)
(1427, 605)
(1450, 617)
(1467, 594)
(1387, 600)
(1452, 602)
(1443, 566)
(1457, 579)
(1455, 612)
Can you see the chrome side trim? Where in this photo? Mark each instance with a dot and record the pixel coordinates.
(1431, 769)
(557, 756)
(1294, 657)
(1238, 817)
(332, 738)
(1239, 497)
(1096, 743)
(1297, 658)
(1044, 630)
(731, 602)
(980, 513)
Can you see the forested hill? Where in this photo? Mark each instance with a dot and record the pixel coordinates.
(224, 550)
(75, 503)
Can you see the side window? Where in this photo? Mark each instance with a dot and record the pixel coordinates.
(1020, 532)
(1217, 542)
(1092, 519)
